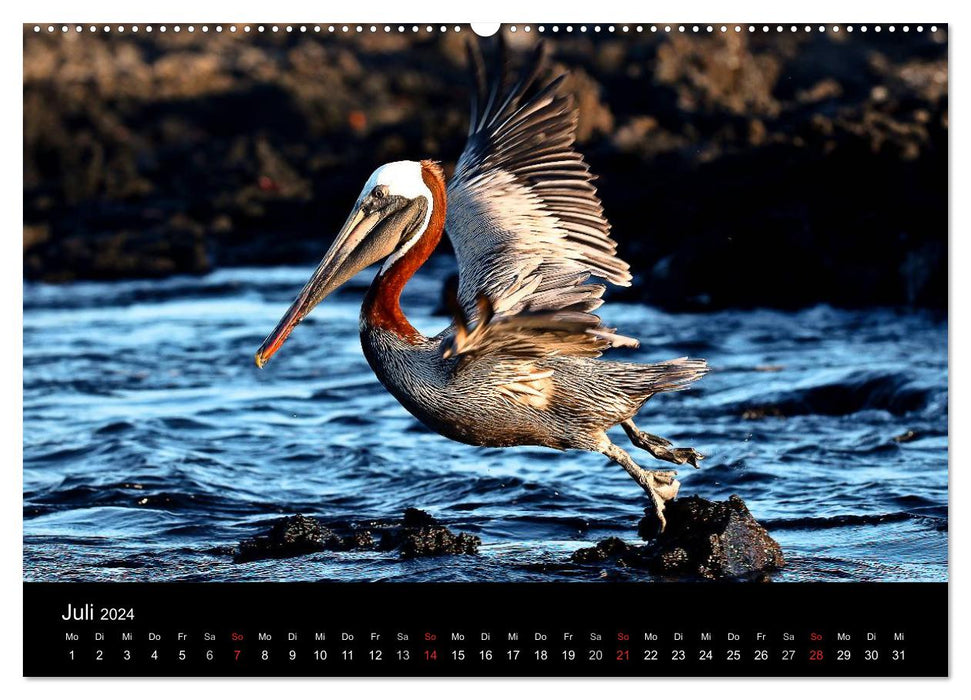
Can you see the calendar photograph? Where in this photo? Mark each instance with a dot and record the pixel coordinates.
(610, 304)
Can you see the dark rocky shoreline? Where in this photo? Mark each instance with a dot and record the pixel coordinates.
(738, 170)
(717, 540)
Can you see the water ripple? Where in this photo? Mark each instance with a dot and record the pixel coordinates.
(152, 444)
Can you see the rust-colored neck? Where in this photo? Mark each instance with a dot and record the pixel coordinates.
(382, 307)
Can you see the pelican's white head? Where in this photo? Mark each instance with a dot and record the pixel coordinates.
(389, 216)
(402, 178)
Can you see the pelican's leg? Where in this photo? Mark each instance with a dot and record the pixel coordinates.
(660, 486)
(659, 447)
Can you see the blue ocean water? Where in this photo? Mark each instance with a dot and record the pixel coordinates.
(153, 445)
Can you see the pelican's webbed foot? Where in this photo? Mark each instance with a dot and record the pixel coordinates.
(661, 486)
(661, 448)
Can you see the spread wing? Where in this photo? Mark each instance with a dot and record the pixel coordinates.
(523, 215)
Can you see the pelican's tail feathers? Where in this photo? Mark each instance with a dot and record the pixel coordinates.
(673, 375)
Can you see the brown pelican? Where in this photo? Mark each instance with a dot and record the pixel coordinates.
(519, 364)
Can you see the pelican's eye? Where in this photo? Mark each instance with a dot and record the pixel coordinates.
(380, 192)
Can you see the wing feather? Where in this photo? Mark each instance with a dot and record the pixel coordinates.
(523, 214)
(529, 335)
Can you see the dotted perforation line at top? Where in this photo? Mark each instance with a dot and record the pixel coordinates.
(527, 28)
(248, 28)
(725, 28)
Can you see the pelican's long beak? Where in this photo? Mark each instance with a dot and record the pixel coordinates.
(346, 257)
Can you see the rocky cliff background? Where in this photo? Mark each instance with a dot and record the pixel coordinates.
(738, 170)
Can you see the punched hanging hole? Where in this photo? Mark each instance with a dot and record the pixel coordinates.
(485, 29)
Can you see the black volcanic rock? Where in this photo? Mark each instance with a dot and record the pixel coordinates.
(713, 540)
(705, 539)
(417, 534)
(289, 537)
(420, 535)
(614, 549)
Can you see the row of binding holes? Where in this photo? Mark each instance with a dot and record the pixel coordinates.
(414, 28)
(246, 28)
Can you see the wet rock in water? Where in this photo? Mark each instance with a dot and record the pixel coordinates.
(616, 550)
(420, 535)
(289, 537)
(357, 540)
(714, 539)
(417, 534)
(707, 539)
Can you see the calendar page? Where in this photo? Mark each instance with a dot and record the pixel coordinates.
(512, 350)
